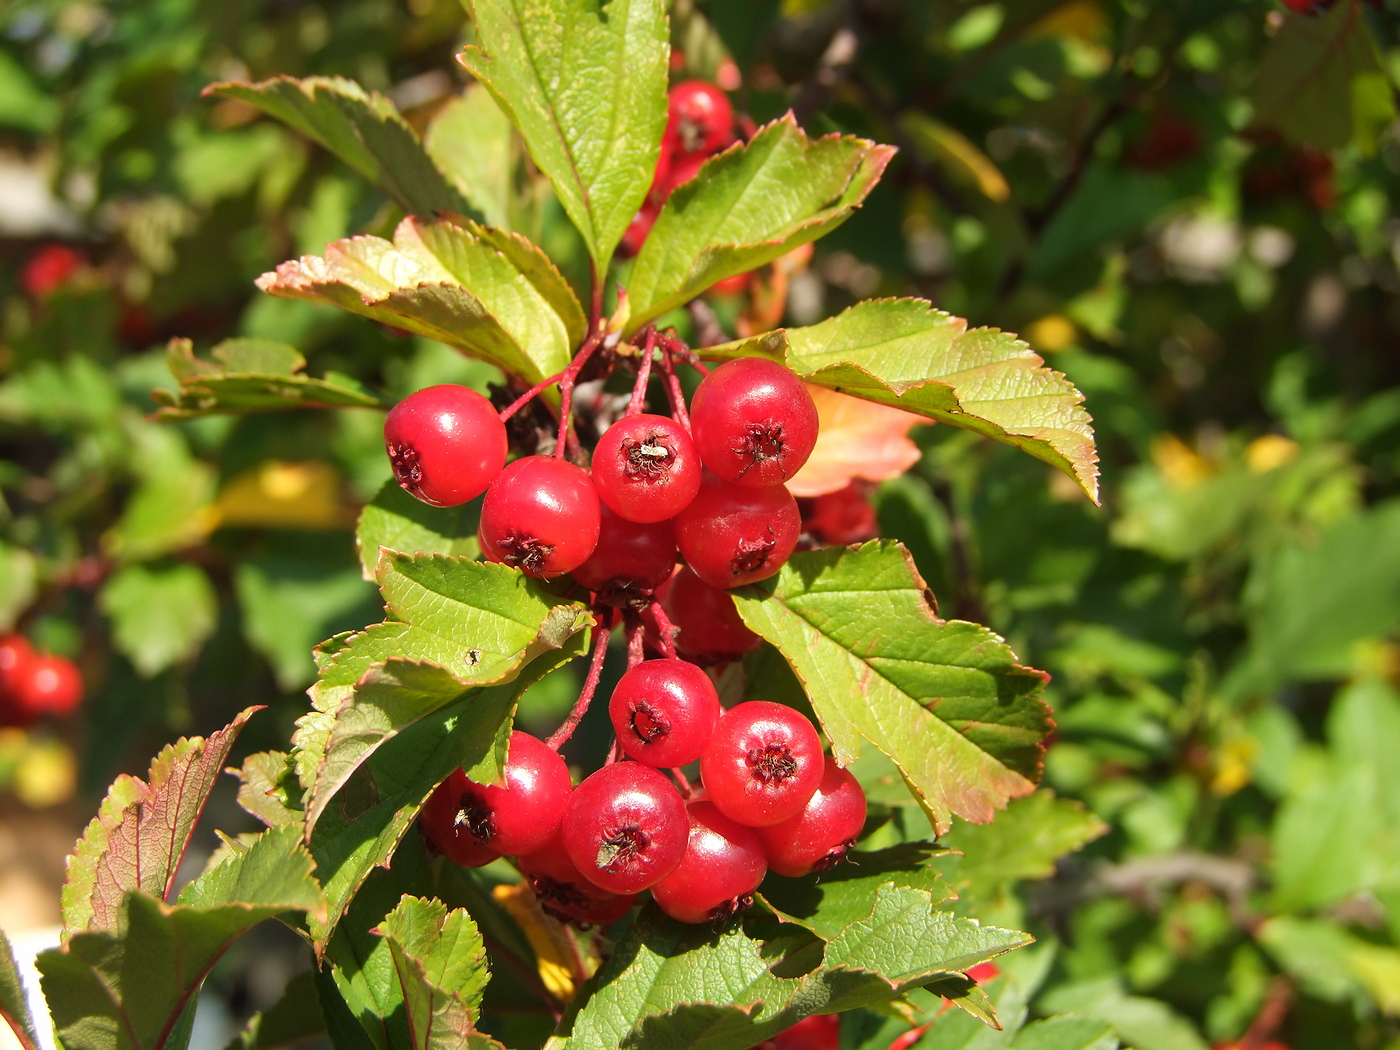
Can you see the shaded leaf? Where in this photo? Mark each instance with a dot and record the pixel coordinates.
(472, 142)
(142, 829)
(440, 961)
(14, 1001)
(748, 206)
(295, 1017)
(490, 293)
(585, 84)
(955, 153)
(398, 521)
(268, 788)
(251, 375)
(945, 700)
(161, 614)
(904, 353)
(360, 127)
(133, 986)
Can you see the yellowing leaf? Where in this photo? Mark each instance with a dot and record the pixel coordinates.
(553, 943)
(857, 439)
(954, 152)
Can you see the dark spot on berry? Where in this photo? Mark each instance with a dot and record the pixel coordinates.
(551, 891)
(772, 763)
(648, 458)
(525, 552)
(835, 855)
(407, 470)
(725, 909)
(750, 555)
(648, 723)
(474, 815)
(621, 848)
(761, 441)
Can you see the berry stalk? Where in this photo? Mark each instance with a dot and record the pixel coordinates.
(590, 686)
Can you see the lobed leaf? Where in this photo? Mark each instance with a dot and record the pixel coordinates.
(748, 206)
(141, 830)
(945, 700)
(360, 127)
(490, 293)
(440, 961)
(251, 375)
(585, 84)
(160, 614)
(133, 986)
(399, 522)
(904, 353)
(14, 1002)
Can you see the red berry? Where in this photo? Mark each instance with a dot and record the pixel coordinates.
(684, 168)
(732, 535)
(446, 444)
(442, 823)
(984, 972)
(523, 814)
(710, 629)
(826, 828)
(734, 285)
(625, 827)
(646, 468)
(636, 233)
(763, 763)
(15, 653)
(754, 422)
(722, 865)
(631, 559)
(700, 117)
(540, 515)
(49, 268)
(565, 893)
(44, 686)
(664, 712)
(843, 516)
(818, 1032)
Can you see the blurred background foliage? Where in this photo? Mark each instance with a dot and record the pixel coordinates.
(1189, 207)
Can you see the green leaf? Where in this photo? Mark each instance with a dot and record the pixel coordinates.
(946, 701)
(251, 375)
(362, 128)
(1331, 963)
(828, 901)
(1067, 1032)
(161, 614)
(440, 961)
(1147, 1024)
(142, 829)
(472, 143)
(904, 353)
(268, 788)
(585, 84)
(380, 802)
(14, 1002)
(133, 986)
(1307, 82)
(396, 520)
(19, 582)
(294, 1018)
(490, 293)
(748, 206)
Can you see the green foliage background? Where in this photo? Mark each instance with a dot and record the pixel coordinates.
(1191, 208)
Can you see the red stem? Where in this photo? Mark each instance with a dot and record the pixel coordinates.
(665, 628)
(636, 640)
(590, 686)
(639, 389)
(525, 398)
(673, 388)
(566, 390)
(683, 781)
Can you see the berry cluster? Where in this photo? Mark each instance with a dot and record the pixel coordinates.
(35, 685)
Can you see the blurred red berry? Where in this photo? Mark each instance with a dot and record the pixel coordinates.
(49, 268)
(44, 686)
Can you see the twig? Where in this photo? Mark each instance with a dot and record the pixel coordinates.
(590, 686)
(525, 398)
(834, 66)
(566, 390)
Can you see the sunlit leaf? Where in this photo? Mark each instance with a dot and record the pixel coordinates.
(856, 439)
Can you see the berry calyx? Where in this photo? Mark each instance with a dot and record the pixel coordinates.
(446, 444)
(646, 468)
(722, 865)
(630, 561)
(824, 831)
(731, 535)
(754, 422)
(700, 117)
(710, 628)
(763, 763)
(664, 712)
(441, 824)
(625, 827)
(541, 516)
(565, 893)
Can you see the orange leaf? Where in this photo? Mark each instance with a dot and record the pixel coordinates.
(858, 439)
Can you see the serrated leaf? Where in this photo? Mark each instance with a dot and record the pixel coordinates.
(14, 1002)
(396, 520)
(945, 700)
(440, 961)
(268, 788)
(293, 1018)
(142, 829)
(904, 353)
(490, 293)
(132, 987)
(1067, 1032)
(160, 614)
(830, 900)
(472, 143)
(748, 206)
(360, 127)
(251, 375)
(362, 827)
(585, 84)
(1308, 77)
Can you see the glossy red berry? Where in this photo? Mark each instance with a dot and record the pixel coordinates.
(523, 814)
(818, 1032)
(443, 824)
(565, 893)
(446, 444)
(710, 629)
(722, 865)
(631, 558)
(731, 535)
(763, 763)
(843, 516)
(984, 972)
(540, 515)
(754, 422)
(625, 827)
(700, 117)
(15, 654)
(646, 468)
(664, 712)
(44, 686)
(826, 828)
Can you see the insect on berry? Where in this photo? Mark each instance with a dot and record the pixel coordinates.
(446, 444)
(646, 468)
